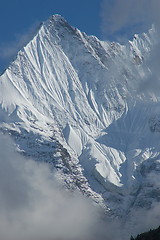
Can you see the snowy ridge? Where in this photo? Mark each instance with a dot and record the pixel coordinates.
(84, 94)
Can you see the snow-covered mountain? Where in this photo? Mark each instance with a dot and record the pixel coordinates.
(81, 104)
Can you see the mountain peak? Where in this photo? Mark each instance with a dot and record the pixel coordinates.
(82, 93)
(57, 18)
(58, 23)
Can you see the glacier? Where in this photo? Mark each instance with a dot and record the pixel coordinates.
(80, 104)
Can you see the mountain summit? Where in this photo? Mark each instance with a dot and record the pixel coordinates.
(79, 104)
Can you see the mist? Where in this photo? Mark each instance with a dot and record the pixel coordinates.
(9, 50)
(122, 19)
(34, 205)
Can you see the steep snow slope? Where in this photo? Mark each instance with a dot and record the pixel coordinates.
(77, 102)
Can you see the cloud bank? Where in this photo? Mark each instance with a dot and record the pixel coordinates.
(34, 206)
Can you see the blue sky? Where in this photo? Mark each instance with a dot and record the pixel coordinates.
(116, 20)
(18, 17)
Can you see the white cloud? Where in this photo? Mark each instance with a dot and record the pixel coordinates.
(33, 205)
(122, 19)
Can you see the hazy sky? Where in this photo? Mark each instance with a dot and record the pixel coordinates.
(124, 18)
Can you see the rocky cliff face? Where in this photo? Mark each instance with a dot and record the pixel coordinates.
(78, 103)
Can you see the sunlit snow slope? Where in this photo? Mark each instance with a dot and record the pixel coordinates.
(78, 103)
